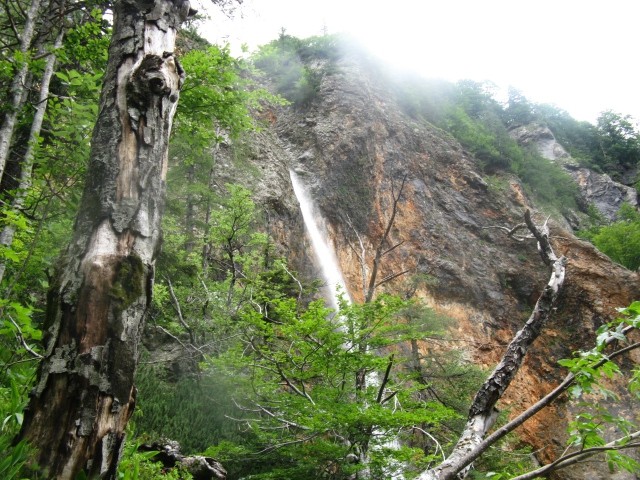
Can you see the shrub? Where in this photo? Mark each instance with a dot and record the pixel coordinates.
(620, 240)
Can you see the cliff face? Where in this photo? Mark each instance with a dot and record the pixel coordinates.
(352, 146)
(597, 189)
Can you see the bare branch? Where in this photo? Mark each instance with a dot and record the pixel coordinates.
(364, 270)
(540, 405)
(21, 339)
(511, 232)
(388, 397)
(271, 448)
(290, 384)
(575, 457)
(385, 380)
(542, 236)
(379, 252)
(391, 249)
(280, 419)
(391, 276)
(300, 289)
(433, 439)
(172, 336)
(176, 306)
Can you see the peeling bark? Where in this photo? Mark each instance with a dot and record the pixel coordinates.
(483, 414)
(85, 395)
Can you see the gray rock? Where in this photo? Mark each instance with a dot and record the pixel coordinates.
(603, 193)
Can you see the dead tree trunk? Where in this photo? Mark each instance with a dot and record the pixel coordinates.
(84, 395)
(483, 413)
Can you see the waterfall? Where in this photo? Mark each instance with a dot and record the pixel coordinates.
(332, 275)
(325, 255)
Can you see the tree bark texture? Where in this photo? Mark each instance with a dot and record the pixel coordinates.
(84, 394)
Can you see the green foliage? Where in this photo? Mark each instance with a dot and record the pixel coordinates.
(87, 42)
(611, 146)
(619, 240)
(278, 397)
(587, 430)
(280, 393)
(302, 365)
(137, 465)
(14, 384)
(469, 112)
(474, 119)
(475, 135)
(14, 253)
(12, 403)
(618, 142)
(60, 156)
(192, 410)
(579, 138)
(233, 225)
(216, 103)
(519, 110)
(217, 94)
(297, 66)
(13, 458)
(547, 182)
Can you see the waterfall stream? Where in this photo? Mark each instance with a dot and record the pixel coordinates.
(325, 255)
(332, 276)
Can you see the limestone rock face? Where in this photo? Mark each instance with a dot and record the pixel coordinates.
(596, 188)
(543, 139)
(604, 193)
(352, 146)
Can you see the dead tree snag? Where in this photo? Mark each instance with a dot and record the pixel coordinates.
(85, 395)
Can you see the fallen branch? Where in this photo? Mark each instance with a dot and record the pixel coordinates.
(575, 457)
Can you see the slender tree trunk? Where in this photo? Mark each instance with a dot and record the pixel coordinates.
(190, 211)
(208, 246)
(84, 394)
(17, 89)
(26, 170)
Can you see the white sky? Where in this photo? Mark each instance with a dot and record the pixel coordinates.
(579, 55)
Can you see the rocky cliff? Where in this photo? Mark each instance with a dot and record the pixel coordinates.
(352, 146)
(597, 189)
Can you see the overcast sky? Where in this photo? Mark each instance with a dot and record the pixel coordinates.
(579, 55)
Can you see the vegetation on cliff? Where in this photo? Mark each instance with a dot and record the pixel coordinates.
(619, 240)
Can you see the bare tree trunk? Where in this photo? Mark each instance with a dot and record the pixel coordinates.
(85, 395)
(17, 89)
(483, 414)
